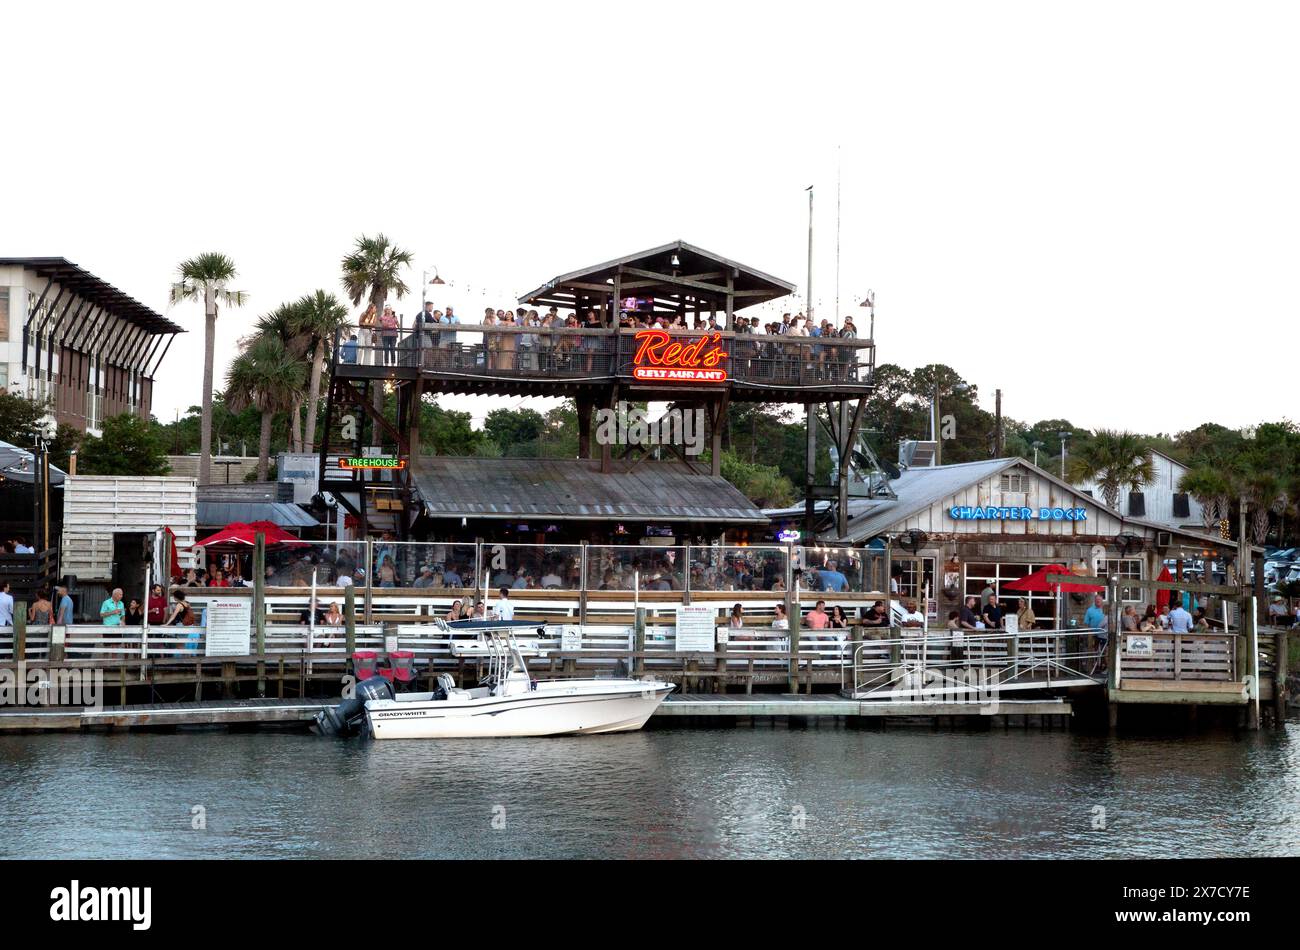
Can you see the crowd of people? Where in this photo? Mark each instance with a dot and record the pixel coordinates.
(435, 334)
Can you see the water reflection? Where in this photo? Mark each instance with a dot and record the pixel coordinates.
(762, 792)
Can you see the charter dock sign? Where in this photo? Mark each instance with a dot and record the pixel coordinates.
(662, 359)
(993, 513)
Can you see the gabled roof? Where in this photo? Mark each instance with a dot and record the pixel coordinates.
(99, 292)
(920, 488)
(566, 489)
(757, 287)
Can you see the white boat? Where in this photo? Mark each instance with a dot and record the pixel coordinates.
(509, 703)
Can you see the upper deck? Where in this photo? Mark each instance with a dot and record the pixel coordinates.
(652, 364)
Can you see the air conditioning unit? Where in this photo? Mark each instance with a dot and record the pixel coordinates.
(1164, 539)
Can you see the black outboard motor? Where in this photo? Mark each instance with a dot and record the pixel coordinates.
(348, 717)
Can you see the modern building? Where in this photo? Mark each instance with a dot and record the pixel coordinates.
(1159, 500)
(74, 339)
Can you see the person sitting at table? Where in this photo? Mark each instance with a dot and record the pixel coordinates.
(333, 616)
(817, 618)
(912, 617)
(780, 622)
(1201, 621)
(839, 619)
(737, 619)
(1128, 620)
(876, 616)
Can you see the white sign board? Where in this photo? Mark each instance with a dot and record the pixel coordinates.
(229, 626)
(696, 628)
(570, 638)
(303, 472)
(1011, 623)
(1139, 646)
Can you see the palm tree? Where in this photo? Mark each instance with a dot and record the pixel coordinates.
(322, 314)
(207, 276)
(267, 376)
(287, 323)
(1113, 460)
(372, 269)
(1264, 494)
(1212, 490)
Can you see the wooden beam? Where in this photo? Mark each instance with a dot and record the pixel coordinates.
(678, 281)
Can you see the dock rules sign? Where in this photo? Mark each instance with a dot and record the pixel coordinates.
(229, 628)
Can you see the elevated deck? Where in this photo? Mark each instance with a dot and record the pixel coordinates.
(522, 361)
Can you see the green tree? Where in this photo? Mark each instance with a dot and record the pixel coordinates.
(207, 277)
(269, 378)
(515, 431)
(129, 445)
(1212, 490)
(764, 485)
(321, 316)
(67, 439)
(373, 270)
(1114, 460)
(21, 419)
(289, 323)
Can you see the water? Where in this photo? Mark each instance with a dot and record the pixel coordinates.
(760, 792)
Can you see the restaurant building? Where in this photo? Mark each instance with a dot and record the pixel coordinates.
(953, 530)
(72, 338)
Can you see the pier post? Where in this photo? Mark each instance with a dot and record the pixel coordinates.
(638, 663)
(370, 577)
(20, 631)
(349, 621)
(1279, 677)
(259, 607)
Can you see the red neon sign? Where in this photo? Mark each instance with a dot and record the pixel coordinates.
(660, 358)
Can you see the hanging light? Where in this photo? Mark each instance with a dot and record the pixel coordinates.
(675, 262)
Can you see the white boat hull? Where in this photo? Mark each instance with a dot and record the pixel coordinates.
(552, 709)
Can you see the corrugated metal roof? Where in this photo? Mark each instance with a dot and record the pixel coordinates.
(576, 488)
(917, 489)
(218, 514)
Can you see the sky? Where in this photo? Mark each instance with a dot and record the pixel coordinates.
(1092, 207)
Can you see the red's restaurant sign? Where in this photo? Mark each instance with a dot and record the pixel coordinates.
(662, 359)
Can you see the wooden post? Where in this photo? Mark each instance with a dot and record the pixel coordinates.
(582, 587)
(638, 663)
(20, 631)
(349, 621)
(720, 660)
(370, 577)
(1279, 677)
(259, 607)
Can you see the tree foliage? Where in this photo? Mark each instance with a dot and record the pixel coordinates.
(128, 445)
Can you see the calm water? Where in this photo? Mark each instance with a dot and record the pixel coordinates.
(660, 793)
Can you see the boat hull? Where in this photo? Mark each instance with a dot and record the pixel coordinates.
(610, 707)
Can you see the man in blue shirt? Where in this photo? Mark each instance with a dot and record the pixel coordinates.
(833, 580)
(63, 615)
(1095, 617)
(450, 578)
(348, 351)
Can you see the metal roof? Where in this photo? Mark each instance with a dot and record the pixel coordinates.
(19, 465)
(221, 513)
(919, 488)
(95, 290)
(575, 488)
(690, 258)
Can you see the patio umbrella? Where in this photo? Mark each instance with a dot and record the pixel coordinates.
(1164, 597)
(239, 533)
(1037, 581)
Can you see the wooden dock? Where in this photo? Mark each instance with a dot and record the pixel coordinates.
(298, 712)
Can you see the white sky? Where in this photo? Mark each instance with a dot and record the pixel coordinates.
(1094, 208)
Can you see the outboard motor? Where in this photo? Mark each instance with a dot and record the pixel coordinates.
(348, 717)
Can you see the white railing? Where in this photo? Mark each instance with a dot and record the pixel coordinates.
(903, 664)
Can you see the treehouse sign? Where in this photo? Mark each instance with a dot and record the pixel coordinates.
(660, 358)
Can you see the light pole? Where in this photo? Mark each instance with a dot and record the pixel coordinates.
(869, 301)
(1064, 437)
(809, 309)
(1036, 446)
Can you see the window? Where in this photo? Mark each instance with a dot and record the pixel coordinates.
(1121, 568)
(978, 576)
(1137, 504)
(1182, 506)
(4, 314)
(1014, 481)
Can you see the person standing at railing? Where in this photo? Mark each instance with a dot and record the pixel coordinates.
(388, 327)
(1025, 619)
(369, 334)
(41, 610)
(1180, 621)
(63, 616)
(427, 325)
(111, 612)
(6, 605)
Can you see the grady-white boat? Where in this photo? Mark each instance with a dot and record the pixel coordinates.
(506, 703)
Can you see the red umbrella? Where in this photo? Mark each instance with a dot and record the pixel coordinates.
(1037, 581)
(239, 533)
(1164, 597)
